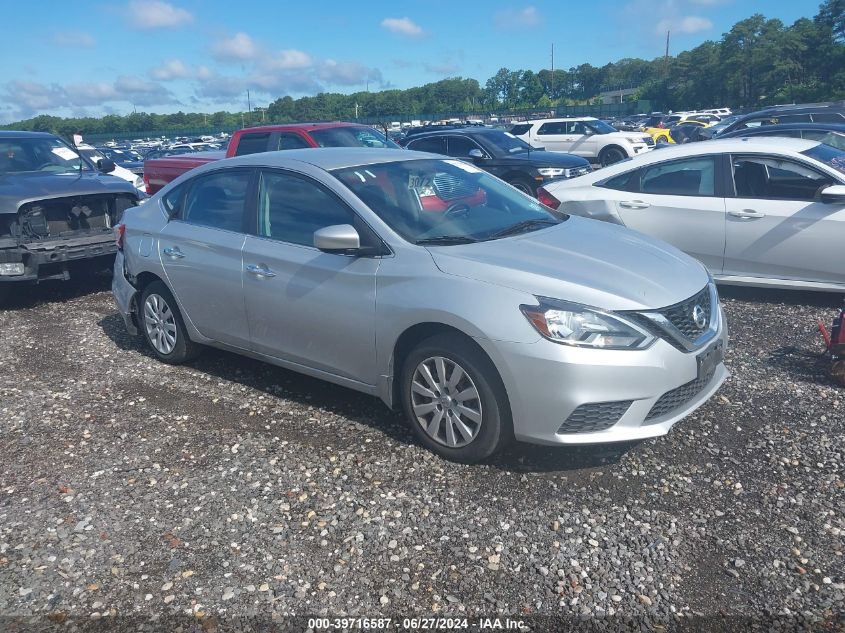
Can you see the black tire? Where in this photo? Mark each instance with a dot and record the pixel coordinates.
(183, 348)
(495, 429)
(524, 185)
(611, 154)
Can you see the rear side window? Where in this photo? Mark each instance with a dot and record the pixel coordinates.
(520, 128)
(435, 145)
(622, 182)
(172, 202)
(253, 143)
(218, 200)
(696, 177)
(289, 140)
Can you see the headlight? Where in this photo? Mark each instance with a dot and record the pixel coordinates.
(551, 171)
(636, 141)
(139, 183)
(581, 326)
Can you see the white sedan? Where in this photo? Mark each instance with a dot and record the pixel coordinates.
(755, 211)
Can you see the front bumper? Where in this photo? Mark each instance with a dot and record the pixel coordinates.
(48, 259)
(546, 382)
(125, 295)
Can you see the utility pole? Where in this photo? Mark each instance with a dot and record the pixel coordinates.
(666, 56)
(552, 82)
(356, 110)
(248, 106)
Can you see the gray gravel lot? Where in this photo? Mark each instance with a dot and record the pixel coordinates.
(230, 488)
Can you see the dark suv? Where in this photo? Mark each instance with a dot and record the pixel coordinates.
(802, 113)
(503, 155)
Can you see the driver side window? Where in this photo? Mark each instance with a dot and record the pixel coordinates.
(776, 179)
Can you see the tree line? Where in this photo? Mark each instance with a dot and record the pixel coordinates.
(758, 62)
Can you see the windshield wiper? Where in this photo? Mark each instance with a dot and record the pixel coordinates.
(446, 239)
(521, 227)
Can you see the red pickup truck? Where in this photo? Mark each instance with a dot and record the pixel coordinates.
(270, 138)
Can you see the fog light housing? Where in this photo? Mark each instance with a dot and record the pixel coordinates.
(12, 270)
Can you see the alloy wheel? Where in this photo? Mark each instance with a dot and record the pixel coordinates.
(446, 402)
(160, 324)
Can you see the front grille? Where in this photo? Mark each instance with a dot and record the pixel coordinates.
(649, 141)
(681, 314)
(679, 396)
(580, 171)
(594, 416)
(449, 187)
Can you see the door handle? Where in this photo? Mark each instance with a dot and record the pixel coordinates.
(173, 252)
(747, 214)
(259, 270)
(634, 204)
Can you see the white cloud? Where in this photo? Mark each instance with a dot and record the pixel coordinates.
(288, 59)
(685, 24)
(402, 26)
(28, 98)
(240, 47)
(518, 18)
(74, 39)
(155, 14)
(170, 70)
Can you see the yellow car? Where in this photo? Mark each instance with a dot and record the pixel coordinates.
(664, 134)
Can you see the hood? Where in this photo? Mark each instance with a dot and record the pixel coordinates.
(542, 158)
(17, 189)
(584, 261)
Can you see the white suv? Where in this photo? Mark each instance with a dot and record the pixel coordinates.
(595, 140)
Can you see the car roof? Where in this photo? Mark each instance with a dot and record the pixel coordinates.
(24, 134)
(786, 127)
(745, 145)
(459, 131)
(326, 158)
(300, 126)
(807, 108)
(563, 118)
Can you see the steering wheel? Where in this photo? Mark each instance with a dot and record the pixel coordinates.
(455, 210)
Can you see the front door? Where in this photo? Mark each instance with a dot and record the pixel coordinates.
(200, 250)
(304, 305)
(777, 225)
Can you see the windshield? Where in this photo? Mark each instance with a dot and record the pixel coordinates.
(352, 137)
(90, 153)
(38, 154)
(443, 202)
(830, 156)
(506, 142)
(600, 127)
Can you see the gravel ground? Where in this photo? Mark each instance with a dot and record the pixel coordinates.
(131, 490)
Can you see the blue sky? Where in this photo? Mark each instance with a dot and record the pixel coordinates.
(91, 58)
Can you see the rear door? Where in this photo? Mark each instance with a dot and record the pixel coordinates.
(200, 250)
(777, 226)
(679, 202)
(306, 306)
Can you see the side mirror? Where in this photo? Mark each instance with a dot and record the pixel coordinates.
(105, 165)
(476, 154)
(338, 237)
(835, 194)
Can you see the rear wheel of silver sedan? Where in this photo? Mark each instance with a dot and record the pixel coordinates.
(163, 327)
(455, 400)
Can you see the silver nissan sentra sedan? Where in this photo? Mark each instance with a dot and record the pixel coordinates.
(431, 284)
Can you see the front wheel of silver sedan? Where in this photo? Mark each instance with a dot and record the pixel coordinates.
(455, 400)
(163, 327)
